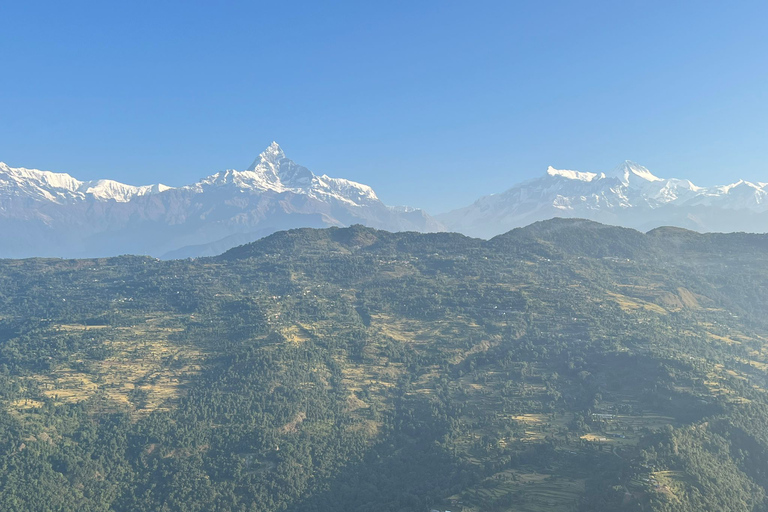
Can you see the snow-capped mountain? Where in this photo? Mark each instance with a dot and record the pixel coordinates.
(62, 188)
(44, 213)
(273, 172)
(630, 195)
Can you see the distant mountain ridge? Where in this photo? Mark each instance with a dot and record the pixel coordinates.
(62, 188)
(43, 213)
(51, 214)
(629, 196)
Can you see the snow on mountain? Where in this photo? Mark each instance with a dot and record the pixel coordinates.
(273, 172)
(62, 188)
(44, 213)
(629, 195)
(631, 171)
(573, 175)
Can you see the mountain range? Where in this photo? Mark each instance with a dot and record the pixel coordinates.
(44, 213)
(629, 196)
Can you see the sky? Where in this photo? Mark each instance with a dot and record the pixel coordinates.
(432, 103)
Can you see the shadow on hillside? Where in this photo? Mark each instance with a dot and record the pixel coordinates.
(417, 476)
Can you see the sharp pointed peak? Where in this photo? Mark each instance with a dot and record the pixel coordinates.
(274, 147)
(273, 154)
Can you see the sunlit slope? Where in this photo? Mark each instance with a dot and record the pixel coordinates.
(563, 366)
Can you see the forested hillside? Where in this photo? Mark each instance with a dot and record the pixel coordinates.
(566, 366)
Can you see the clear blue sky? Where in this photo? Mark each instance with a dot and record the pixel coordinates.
(464, 98)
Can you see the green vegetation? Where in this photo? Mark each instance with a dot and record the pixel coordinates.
(566, 366)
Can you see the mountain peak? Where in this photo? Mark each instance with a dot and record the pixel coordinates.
(273, 150)
(626, 170)
(272, 155)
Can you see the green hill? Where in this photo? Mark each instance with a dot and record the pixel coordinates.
(563, 366)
